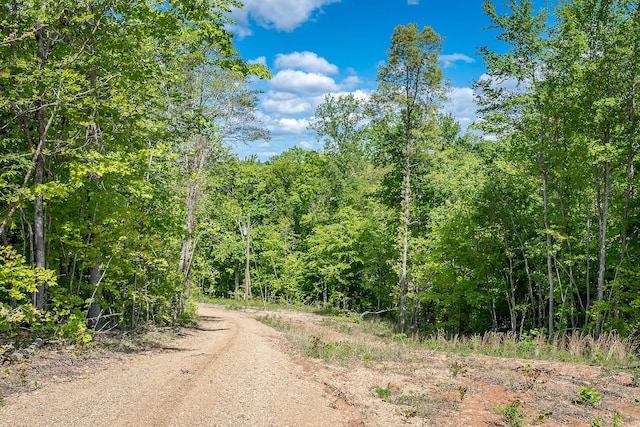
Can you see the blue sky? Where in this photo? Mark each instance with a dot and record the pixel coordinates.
(316, 47)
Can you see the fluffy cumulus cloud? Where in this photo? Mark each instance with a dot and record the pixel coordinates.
(295, 126)
(289, 100)
(305, 61)
(449, 60)
(283, 15)
(297, 81)
(277, 103)
(462, 105)
(259, 60)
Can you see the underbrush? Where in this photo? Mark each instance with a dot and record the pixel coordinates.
(374, 337)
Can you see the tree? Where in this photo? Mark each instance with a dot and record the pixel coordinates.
(218, 109)
(409, 85)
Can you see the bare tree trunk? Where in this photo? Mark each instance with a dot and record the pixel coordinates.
(603, 217)
(94, 311)
(529, 278)
(195, 169)
(587, 306)
(325, 292)
(511, 297)
(545, 208)
(236, 279)
(405, 234)
(247, 253)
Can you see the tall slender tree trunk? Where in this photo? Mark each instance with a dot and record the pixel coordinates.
(38, 178)
(247, 267)
(511, 297)
(94, 312)
(38, 229)
(405, 234)
(195, 168)
(603, 217)
(545, 209)
(587, 267)
(236, 279)
(529, 278)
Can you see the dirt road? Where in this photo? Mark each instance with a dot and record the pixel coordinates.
(230, 371)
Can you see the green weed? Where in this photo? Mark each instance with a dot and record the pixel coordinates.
(588, 395)
(383, 393)
(512, 413)
(457, 368)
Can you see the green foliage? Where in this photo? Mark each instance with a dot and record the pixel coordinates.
(384, 393)
(18, 281)
(512, 413)
(588, 395)
(75, 330)
(457, 368)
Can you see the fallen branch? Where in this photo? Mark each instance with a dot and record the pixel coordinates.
(375, 312)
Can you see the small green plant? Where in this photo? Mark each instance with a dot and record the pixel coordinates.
(383, 393)
(457, 369)
(596, 422)
(400, 338)
(512, 413)
(617, 419)
(75, 330)
(463, 391)
(542, 417)
(316, 347)
(588, 395)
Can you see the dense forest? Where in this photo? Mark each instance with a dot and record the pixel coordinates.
(122, 200)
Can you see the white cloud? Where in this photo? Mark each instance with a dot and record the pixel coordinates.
(283, 15)
(449, 60)
(351, 81)
(305, 61)
(280, 103)
(241, 30)
(509, 83)
(299, 81)
(259, 60)
(462, 105)
(289, 100)
(413, 2)
(307, 144)
(267, 154)
(296, 126)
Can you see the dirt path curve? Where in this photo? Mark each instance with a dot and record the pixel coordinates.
(230, 371)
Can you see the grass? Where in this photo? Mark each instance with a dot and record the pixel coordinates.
(350, 341)
(609, 350)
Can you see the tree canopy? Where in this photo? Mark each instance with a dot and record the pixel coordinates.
(122, 199)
